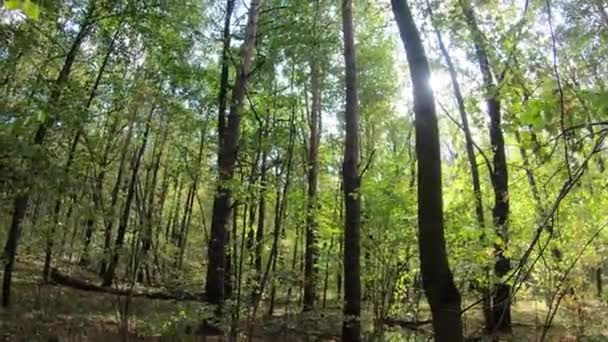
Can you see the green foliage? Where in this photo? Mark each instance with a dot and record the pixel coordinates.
(28, 7)
(166, 55)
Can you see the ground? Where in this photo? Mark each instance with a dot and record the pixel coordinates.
(57, 313)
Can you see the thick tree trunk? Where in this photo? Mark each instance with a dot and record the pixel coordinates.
(21, 201)
(437, 279)
(351, 328)
(108, 277)
(214, 286)
(221, 121)
(501, 301)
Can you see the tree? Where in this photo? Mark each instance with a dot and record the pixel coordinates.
(108, 276)
(351, 328)
(22, 200)
(437, 279)
(227, 153)
(500, 305)
(310, 268)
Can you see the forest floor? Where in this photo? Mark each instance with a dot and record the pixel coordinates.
(58, 313)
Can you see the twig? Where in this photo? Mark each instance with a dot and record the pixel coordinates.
(368, 163)
(487, 161)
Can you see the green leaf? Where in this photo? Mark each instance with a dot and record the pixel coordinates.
(31, 9)
(28, 7)
(12, 4)
(532, 116)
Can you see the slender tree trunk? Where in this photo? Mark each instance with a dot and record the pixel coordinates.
(326, 278)
(465, 127)
(215, 280)
(108, 277)
(280, 211)
(437, 279)
(259, 234)
(107, 245)
(351, 328)
(599, 284)
(97, 199)
(151, 215)
(21, 201)
(231, 253)
(179, 238)
(70, 159)
(529, 173)
(501, 303)
(310, 268)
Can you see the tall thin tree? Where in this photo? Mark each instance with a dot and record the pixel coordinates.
(227, 153)
(500, 318)
(22, 200)
(351, 328)
(310, 268)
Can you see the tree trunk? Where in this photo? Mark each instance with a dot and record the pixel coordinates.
(221, 121)
(107, 245)
(529, 173)
(465, 127)
(351, 328)
(326, 278)
(311, 268)
(280, 211)
(501, 302)
(214, 286)
(151, 214)
(599, 284)
(179, 237)
(21, 201)
(70, 159)
(259, 234)
(90, 224)
(438, 282)
(108, 277)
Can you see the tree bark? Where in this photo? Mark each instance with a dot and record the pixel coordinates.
(215, 279)
(21, 201)
(223, 93)
(311, 252)
(351, 328)
(259, 234)
(442, 294)
(501, 302)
